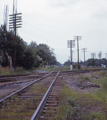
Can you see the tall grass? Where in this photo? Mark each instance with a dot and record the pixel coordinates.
(69, 108)
(7, 71)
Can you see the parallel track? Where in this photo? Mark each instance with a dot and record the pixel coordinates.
(48, 104)
(18, 91)
(26, 100)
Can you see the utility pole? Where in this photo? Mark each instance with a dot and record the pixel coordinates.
(71, 44)
(106, 58)
(15, 22)
(84, 50)
(5, 15)
(77, 38)
(93, 56)
(100, 57)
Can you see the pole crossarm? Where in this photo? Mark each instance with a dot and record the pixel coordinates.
(71, 44)
(15, 21)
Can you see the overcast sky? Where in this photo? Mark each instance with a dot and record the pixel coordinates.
(53, 22)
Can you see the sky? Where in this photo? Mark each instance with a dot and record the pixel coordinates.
(54, 22)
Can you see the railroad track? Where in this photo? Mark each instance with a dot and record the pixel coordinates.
(13, 78)
(81, 71)
(47, 107)
(22, 104)
(9, 84)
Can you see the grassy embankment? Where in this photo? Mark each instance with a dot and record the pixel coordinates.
(84, 106)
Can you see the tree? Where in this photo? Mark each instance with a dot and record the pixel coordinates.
(46, 54)
(7, 47)
(28, 59)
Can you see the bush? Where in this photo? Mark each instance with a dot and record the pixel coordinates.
(97, 116)
(103, 73)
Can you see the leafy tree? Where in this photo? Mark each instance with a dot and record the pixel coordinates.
(46, 54)
(91, 62)
(37, 59)
(7, 45)
(27, 56)
(28, 59)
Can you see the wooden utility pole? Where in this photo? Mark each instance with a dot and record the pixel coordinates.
(93, 56)
(106, 58)
(84, 50)
(100, 57)
(71, 44)
(77, 38)
(15, 22)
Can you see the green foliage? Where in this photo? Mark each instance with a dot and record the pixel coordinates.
(28, 60)
(69, 108)
(46, 54)
(105, 84)
(83, 78)
(27, 56)
(97, 116)
(91, 62)
(103, 74)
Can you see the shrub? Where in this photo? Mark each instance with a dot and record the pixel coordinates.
(103, 73)
(97, 116)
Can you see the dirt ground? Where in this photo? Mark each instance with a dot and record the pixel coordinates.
(73, 82)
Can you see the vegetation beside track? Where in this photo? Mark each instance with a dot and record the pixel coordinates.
(7, 71)
(84, 106)
(20, 70)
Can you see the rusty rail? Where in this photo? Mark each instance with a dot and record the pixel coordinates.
(37, 113)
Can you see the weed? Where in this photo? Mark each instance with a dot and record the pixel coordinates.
(69, 108)
(86, 78)
(83, 79)
(92, 74)
(97, 116)
(103, 73)
(105, 84)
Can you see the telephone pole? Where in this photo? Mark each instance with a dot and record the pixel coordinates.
(71, 44)
(106, 58)
(77, 38)
(93, 56)
(14, 23)
(100, 54)
(84, 50)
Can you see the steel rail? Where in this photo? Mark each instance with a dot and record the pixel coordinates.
(18, 91)
(37, 113)
(77, 71)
